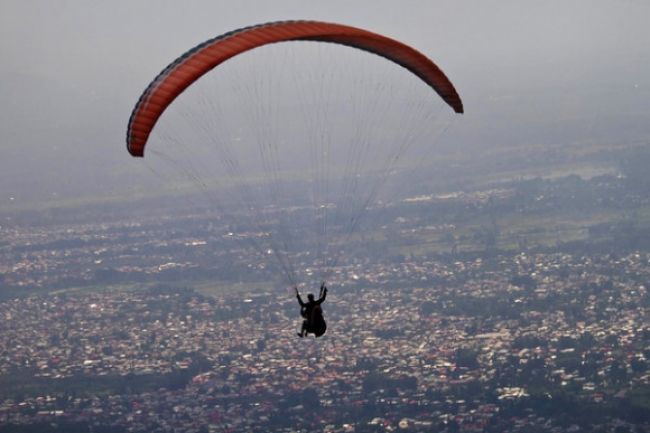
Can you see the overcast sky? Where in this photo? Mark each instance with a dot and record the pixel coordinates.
(71, 72)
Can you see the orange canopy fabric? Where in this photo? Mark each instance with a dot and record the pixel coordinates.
(181, 73)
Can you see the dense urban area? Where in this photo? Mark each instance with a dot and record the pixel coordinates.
(521, 307)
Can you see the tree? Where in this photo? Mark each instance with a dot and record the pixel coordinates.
(467, 358)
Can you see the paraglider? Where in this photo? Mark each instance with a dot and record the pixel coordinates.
(336, 213)
(312, 313)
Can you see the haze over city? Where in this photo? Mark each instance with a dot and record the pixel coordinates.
(539, 72)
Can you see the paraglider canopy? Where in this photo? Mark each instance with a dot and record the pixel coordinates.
(291, 144)
(199, 60)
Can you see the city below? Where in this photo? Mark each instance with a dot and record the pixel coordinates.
(457, 312)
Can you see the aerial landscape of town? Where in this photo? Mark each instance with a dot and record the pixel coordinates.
(482, 322)
(334, 217)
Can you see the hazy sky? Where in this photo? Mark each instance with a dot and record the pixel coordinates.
(71, 72)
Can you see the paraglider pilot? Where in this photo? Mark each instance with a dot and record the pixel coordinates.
(312, 313)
